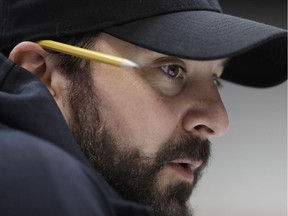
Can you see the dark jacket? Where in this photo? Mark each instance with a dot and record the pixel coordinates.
(42, 169)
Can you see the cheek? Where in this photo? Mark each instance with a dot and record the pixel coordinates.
(135, 113)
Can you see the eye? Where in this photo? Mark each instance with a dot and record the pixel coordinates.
(167, 75)
(173, 70)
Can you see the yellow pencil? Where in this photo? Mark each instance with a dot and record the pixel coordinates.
(87, 54)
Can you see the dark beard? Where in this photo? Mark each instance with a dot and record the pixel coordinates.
(131, 174)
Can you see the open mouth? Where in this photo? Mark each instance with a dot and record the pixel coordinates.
(185, 169)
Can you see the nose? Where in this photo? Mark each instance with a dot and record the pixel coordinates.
(206, 116)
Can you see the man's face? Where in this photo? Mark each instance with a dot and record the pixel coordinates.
(146, 131)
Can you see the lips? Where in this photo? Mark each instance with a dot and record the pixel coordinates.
(185, 169)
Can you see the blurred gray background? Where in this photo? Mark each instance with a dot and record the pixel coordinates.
(247, 175)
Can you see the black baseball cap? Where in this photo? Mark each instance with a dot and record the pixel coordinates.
(191, 29)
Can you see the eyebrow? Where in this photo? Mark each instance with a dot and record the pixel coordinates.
(144, 51)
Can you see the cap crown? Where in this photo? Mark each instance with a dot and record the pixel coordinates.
(41, 19)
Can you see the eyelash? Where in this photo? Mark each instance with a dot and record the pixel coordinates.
(176, 78)
(218, 83)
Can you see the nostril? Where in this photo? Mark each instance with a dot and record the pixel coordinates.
(203, 123)
(203, 128)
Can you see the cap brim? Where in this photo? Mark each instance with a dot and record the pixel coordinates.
(259, 51)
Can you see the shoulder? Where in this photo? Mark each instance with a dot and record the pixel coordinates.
(38, 178)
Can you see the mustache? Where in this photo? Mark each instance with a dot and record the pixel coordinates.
(188, 147)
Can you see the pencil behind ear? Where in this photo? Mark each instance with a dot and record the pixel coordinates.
(43, 65)
(38, 61)
(30, 56)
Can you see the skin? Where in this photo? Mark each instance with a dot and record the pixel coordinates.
(139, 106)
(144, 108)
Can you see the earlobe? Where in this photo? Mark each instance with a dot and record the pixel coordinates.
(34, 59)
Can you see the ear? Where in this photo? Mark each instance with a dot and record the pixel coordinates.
(35, 59)
(42, 64)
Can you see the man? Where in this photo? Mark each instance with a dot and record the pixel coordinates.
(144, 129)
